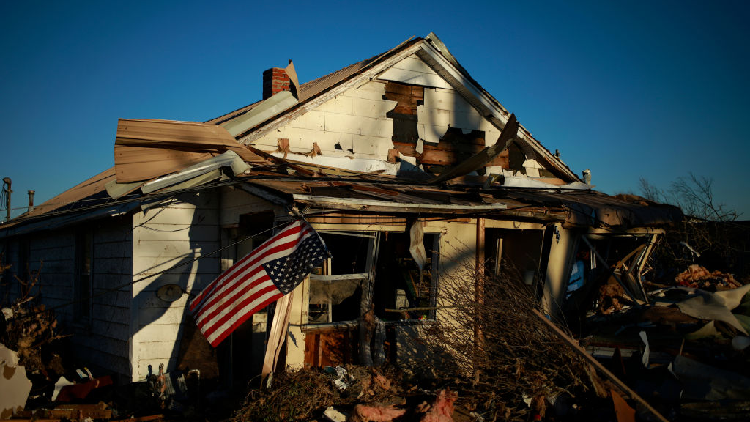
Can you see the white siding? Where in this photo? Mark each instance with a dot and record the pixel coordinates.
(169, 245)
(106, 345)
(101, 341)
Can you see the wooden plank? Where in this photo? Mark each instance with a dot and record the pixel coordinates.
(276, 338)
(339, 277)
(595, 363)
(141, 132)
(481, 159)
(311, 350)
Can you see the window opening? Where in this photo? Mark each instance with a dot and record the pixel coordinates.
(336, 286)
(401, 290)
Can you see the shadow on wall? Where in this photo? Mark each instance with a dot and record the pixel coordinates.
(165, 332)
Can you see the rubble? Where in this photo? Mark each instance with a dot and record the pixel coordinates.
(685, 351)
(699, 277)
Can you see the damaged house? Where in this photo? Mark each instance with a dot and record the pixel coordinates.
(403, 163)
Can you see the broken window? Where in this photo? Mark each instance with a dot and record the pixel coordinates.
(514, 253)
(402, 290)
(336, 287)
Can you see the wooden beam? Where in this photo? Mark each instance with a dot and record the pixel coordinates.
(276, 339)
(607, 374)
(612, 272)
(509, 133)
(479, 285)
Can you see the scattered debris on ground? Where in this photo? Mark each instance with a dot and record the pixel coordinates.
(681, 355)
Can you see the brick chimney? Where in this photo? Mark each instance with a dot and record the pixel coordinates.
(275, 80)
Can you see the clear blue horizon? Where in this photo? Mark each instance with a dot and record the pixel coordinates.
(627, 89)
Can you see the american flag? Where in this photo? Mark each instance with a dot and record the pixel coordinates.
(270, 271)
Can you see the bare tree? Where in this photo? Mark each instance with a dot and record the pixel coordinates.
(709, 235)
(693, 194)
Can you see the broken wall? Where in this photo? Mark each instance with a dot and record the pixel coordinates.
(410, 109)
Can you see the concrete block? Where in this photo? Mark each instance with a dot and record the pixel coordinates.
(382, 128)
(431, 116)
(491, 136)
(301, 140)
(466, 120)
(372, 147)
(341, 104)
(414, 63)
(310, 120)
(447, 99)
(372, 108)
(358, 125)
(413, 78)
(329, 140)
(343, 124)
(369, 91)
(431, 133)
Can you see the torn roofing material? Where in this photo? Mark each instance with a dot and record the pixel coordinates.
(149, 149)
(380, 194)
(145, 149)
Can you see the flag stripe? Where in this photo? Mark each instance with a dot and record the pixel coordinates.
(246, 282)
(274, 268)
(260, 281)
(242, 264)
(238, 270)
(218, 296)
(225, 281)
(219, 336)
(242, 302)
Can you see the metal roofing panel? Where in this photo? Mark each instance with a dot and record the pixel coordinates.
(145, 149)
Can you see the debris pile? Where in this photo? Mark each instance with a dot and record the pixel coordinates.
(28, 328)
(684, 349)
(699, 277)
(351, 393)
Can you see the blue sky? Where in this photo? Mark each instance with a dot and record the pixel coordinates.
(632, 89)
